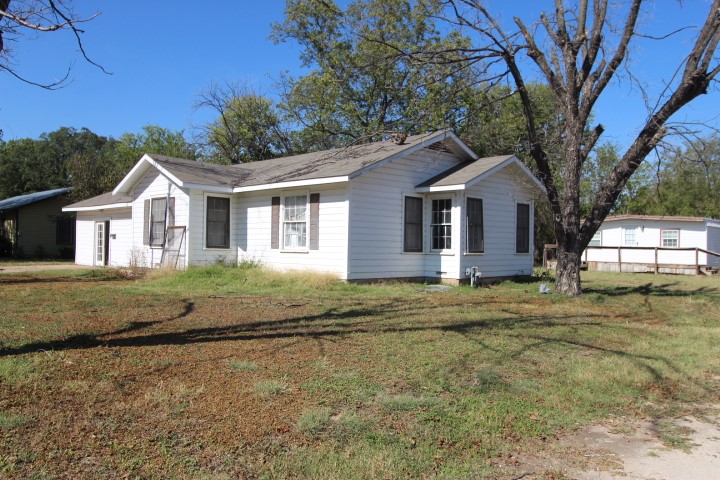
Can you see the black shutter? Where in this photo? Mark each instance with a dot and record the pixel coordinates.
(275, 224)
(475, 234)
(146, 223)
(314, 221)
(522, 240)
(413, 231)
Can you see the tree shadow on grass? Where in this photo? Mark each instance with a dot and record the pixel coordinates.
(651, 289)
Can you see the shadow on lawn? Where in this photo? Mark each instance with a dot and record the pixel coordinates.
(651, 289)
(389, 317)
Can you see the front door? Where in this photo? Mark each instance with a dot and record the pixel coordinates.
(102, 243)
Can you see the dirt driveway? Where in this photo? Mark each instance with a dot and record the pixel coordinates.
(39, 267)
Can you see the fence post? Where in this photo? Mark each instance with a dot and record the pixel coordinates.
(657, 267)
(619, 260)
(697, 261)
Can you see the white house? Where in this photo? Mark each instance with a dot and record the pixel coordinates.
(646, 243)
(423, 208)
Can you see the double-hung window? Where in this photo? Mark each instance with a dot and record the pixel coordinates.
(413, 231)
(158, 207)
(294, 222)
(670, 238)
(596, 240)
(630, 236)
(475, 234)
(218, 222)
(441, 225)
(522, 228)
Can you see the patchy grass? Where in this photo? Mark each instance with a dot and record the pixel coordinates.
(236, 372)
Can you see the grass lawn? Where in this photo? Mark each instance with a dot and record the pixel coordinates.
(240, 373)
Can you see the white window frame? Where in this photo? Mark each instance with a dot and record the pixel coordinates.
(283, 222)
(151, 243)
(597, 238)
(625, 231)
(205, 216)
(676, 239)
(431, 224)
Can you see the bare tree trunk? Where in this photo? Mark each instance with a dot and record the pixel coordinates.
(567, 277)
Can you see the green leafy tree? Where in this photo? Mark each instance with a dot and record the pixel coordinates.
(361, 85)
(247, 128)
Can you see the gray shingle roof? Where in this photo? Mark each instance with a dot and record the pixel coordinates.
(22, 200)
(101, 201)
(465, 172)
(190, 171)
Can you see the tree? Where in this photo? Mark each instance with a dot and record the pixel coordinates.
(23, 18)
(247, 128)
(360, 86)
(578, 49)
(94, 173)
(686, 183)
(28, 165)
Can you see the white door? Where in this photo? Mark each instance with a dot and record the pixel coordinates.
(101, 243)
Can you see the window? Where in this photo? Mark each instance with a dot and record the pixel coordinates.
(441, 226)
(157, 221)
(630, 236)
(413, 240)
(475, 235)
(596, 241)
(295, 222)
(65, 231)
(670, 238)
(522, 228)
(218, 223)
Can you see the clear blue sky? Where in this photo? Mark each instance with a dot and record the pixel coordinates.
(162, 55)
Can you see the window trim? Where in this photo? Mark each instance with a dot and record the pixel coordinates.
(467, 225)
(283, 197)
(229, 222)
(151, 243)
(599, 244)
(625, 229)
(529, 228)
(450, 225)
(677, 239)
(405, 223)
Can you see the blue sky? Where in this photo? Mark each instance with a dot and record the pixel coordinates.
(163, 54)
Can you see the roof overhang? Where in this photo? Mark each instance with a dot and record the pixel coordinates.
(139, 170)
(464, 186)
(292, 184)
(109, 206)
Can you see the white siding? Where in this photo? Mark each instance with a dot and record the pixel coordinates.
(648, 234)
(120, 246)
(84, 238)
(500, 194)
(155, 185)
(376, 225)
(198, 254)
(252, 223)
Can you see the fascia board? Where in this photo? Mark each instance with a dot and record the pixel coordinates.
(293, 184)
(445, 188)
(98, 207)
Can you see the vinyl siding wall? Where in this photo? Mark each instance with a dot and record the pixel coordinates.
(713, 239)
(251, 221)
(198, 253)
(376, 220)
(121, 226)
(156, 185)
(648, 234)
(500, 193)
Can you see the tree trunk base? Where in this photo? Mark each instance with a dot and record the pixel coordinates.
(567, 274)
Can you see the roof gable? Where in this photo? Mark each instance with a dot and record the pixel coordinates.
(470, 173)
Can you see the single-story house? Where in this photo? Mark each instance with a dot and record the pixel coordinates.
(34, 225)
(422, 207)
(660, 244)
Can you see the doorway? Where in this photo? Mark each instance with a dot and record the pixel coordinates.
(102, 243)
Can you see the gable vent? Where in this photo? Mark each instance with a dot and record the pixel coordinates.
(439, 147)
